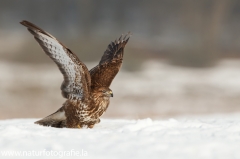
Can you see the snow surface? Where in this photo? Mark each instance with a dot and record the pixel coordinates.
(204, 137)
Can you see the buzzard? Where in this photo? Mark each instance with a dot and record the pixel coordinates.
(87, 92)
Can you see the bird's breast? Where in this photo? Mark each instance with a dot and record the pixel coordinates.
(99, 105)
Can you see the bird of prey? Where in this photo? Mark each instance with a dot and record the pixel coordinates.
(87, 92)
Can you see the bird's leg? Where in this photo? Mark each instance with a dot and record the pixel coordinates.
(79, 126)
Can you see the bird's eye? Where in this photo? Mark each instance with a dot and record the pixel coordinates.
(104, 91)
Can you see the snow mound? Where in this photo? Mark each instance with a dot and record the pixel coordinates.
(206, 137)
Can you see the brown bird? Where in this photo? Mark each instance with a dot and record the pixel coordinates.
(87, 92)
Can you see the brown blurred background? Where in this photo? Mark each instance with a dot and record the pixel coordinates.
(183, 57)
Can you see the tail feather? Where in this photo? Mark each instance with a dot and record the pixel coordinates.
(57, 119)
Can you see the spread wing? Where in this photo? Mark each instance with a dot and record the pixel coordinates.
(103, 74)
(76, 84)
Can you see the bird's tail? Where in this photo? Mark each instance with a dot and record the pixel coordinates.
(57, 119)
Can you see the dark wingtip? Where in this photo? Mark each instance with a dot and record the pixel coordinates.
(25, 23)
(32, 26)
(127, 36)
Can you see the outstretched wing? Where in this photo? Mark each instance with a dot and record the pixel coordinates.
(103, 74)
(76, 84)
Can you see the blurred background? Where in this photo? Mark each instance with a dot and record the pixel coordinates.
(183, 57)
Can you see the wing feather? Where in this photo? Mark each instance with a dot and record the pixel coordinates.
(103, 74)
(76, 84)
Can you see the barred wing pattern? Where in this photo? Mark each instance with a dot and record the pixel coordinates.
(103, 74)
(76, 84)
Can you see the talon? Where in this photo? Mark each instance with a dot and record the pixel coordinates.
(78, 126)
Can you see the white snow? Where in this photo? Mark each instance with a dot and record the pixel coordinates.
(199, 137)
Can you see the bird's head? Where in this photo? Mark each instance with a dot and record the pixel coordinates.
(106, 92)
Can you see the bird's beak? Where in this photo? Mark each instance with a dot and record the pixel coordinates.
(111, 94)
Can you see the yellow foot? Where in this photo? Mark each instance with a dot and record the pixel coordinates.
(78, 126)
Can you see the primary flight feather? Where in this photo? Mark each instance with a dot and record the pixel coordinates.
(87, 92)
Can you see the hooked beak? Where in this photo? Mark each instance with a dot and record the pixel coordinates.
(111, 94)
